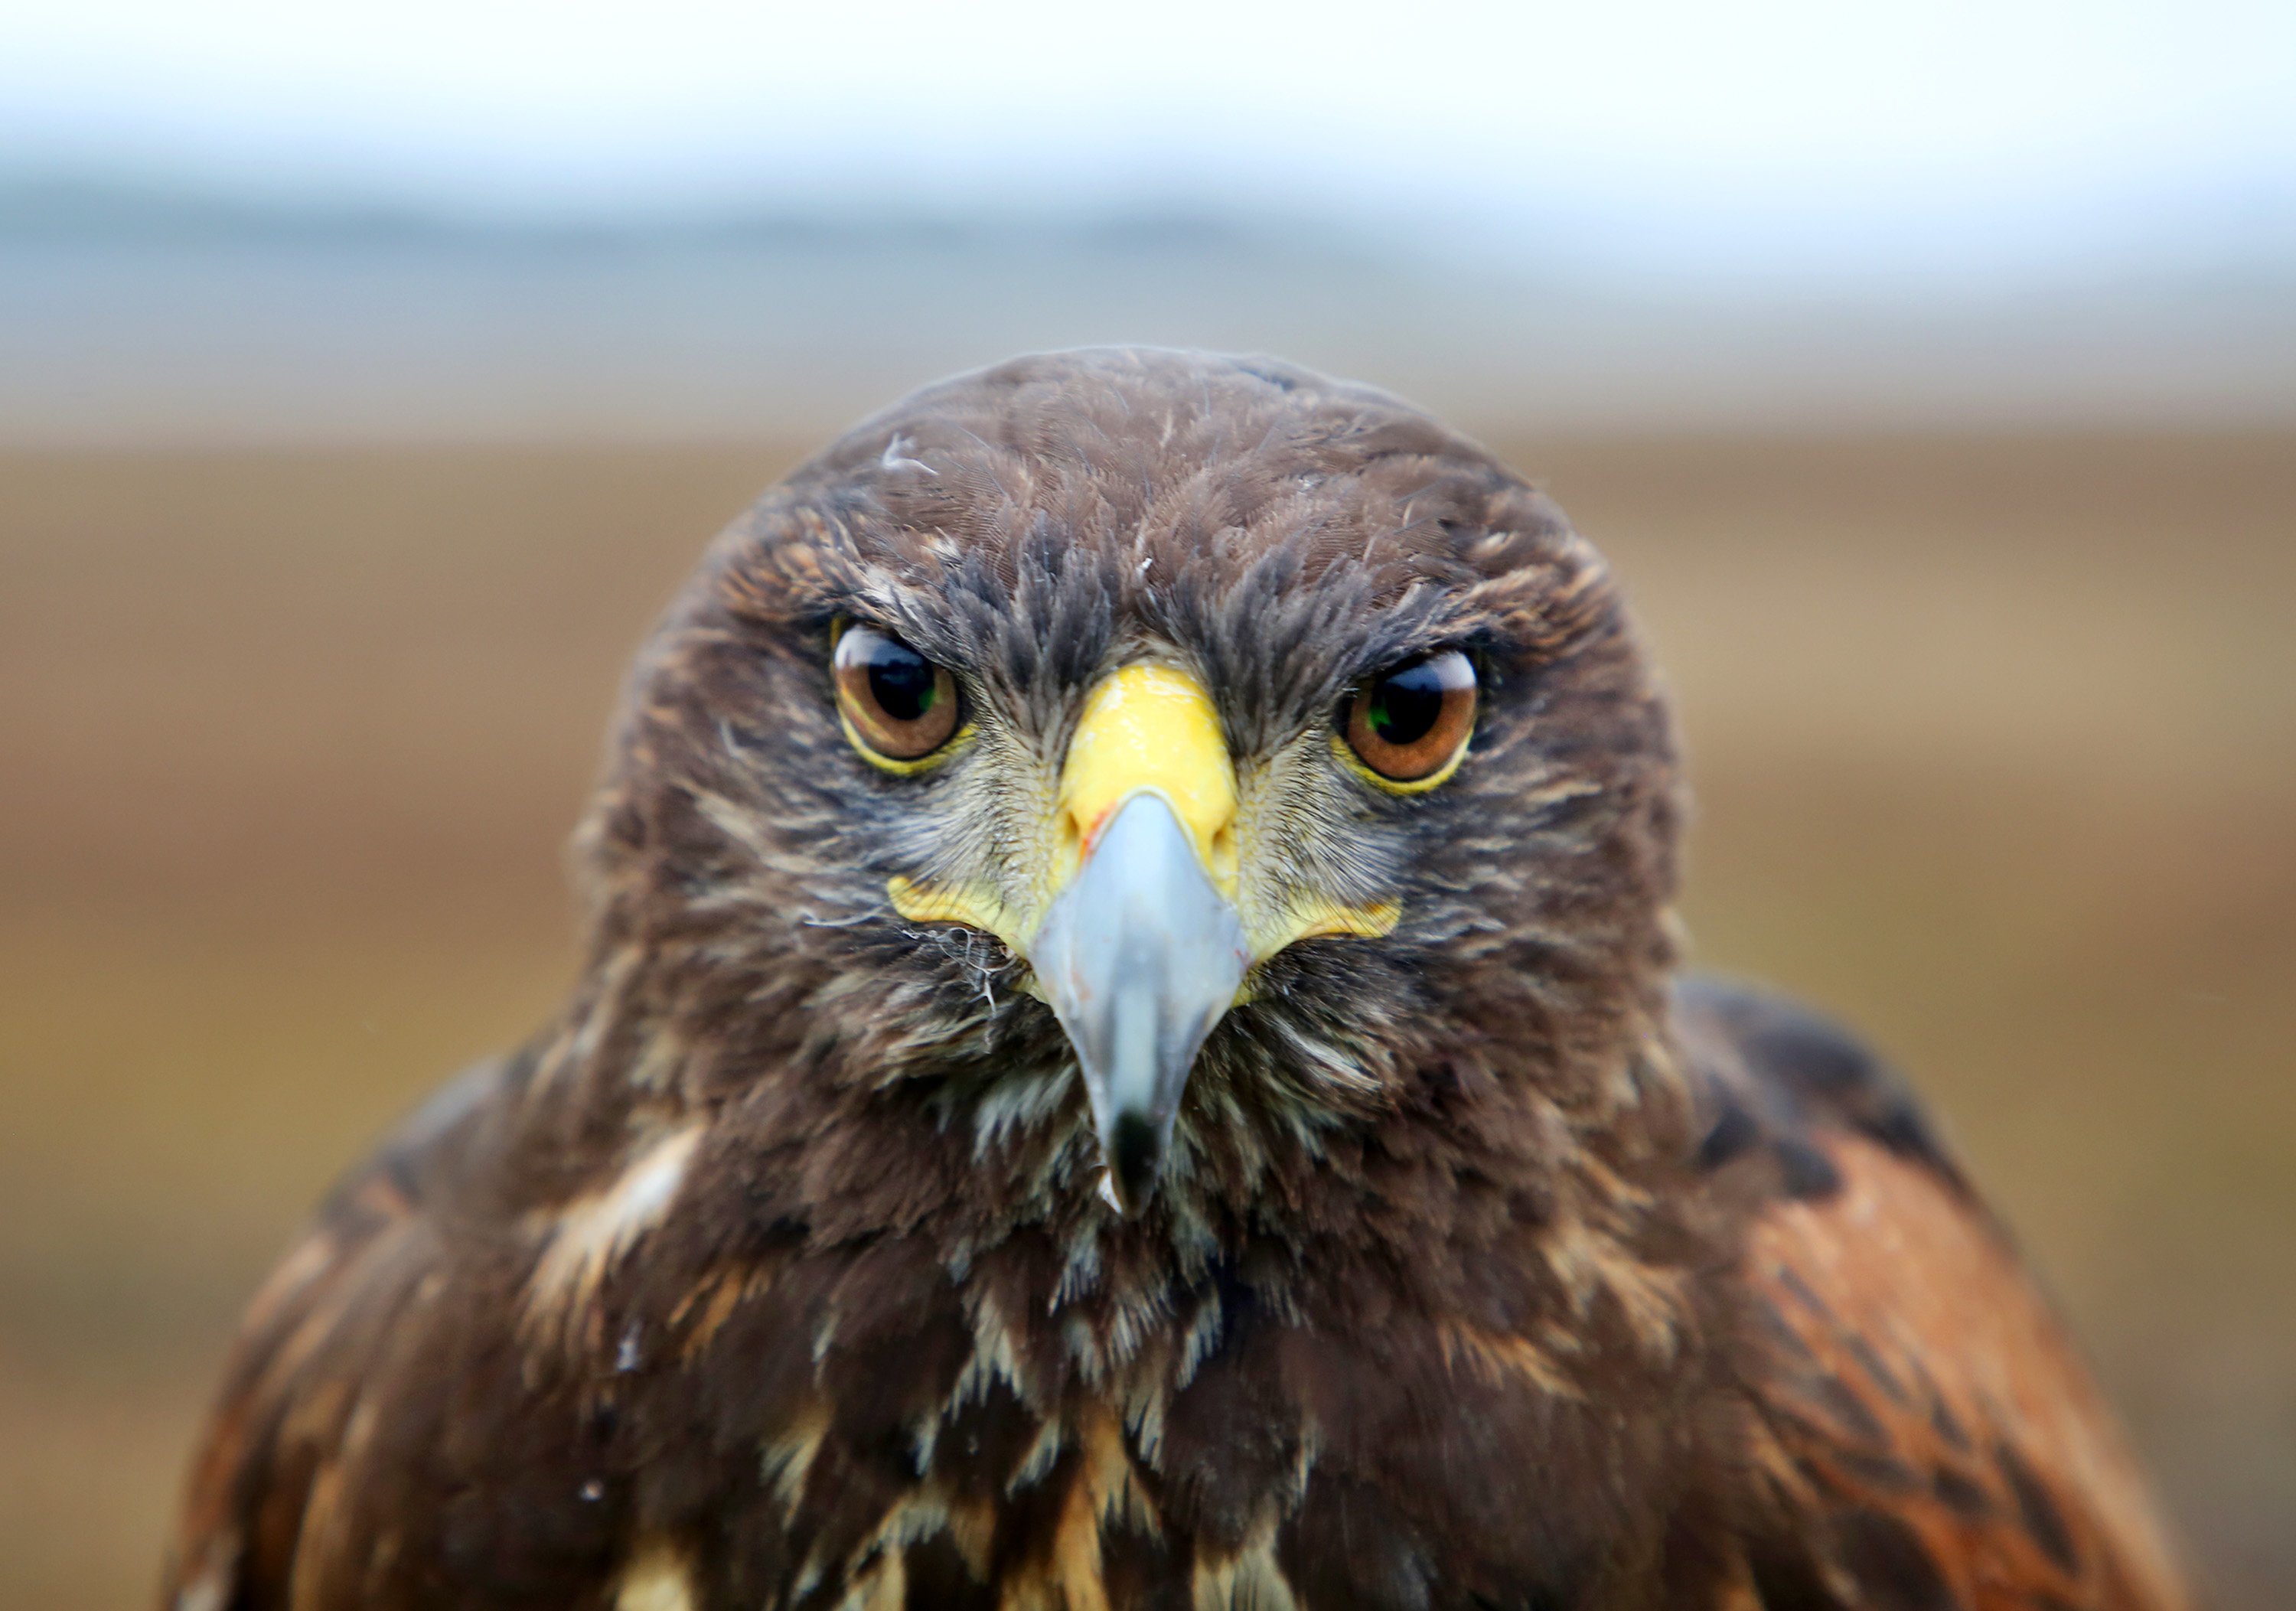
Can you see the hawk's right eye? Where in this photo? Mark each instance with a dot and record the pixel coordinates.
(899, 705)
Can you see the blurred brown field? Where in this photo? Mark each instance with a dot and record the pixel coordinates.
(1994, 741)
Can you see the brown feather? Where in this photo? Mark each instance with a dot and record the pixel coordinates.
(1926, 1433)
(1485, 1270)
(1926, 1414)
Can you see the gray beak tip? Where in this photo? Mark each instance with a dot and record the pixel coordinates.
(1140, 956)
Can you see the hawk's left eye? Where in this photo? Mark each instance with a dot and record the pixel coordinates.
(899, 704)
(1408, 723)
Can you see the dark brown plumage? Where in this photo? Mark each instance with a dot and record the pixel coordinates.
(1477, 1262)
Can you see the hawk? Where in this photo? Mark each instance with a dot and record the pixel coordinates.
(1131, 1053)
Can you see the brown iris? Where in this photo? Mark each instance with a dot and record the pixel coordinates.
(1408, 723)
(899, 704)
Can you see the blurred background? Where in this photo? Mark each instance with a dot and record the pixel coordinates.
(368, 378)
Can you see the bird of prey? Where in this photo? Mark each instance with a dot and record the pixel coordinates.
(1131, 1055)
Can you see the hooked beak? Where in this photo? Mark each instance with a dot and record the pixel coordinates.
(1141, 947)
(1139, 955)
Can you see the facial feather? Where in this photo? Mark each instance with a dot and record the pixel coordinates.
(831, 1166)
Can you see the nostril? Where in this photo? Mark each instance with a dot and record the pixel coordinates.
(1068, 854)
(1221, 856)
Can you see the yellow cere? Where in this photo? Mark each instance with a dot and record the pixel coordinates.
(1152, 728)
(926, 903)
(1306, 919)
(1311, 918)
(1144, 727)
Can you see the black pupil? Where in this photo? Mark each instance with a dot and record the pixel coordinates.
(1405, 703)
(901, 681)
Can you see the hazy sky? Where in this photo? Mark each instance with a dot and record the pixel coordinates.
(1788, 119)
(1949, 209)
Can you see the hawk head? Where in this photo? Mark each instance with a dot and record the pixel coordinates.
(1127, 1058)
(1110, 775)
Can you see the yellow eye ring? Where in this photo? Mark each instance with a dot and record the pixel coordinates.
(899, 710)
(1405, 730)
